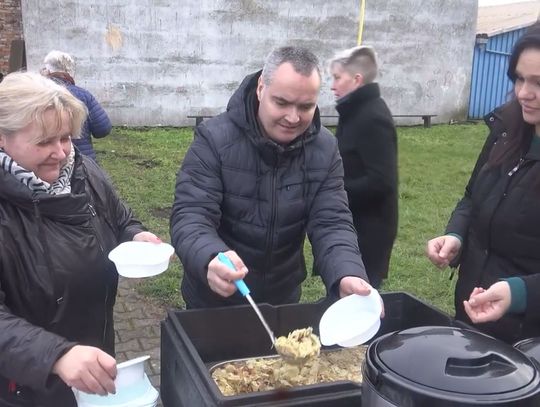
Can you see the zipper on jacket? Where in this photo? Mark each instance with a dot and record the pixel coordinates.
(503, 196)
(514, 170)
(56, 284)
(37, 214)
(98, 238)
(106, 321)
(271, 227)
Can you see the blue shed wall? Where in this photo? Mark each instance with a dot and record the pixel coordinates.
(490, 87)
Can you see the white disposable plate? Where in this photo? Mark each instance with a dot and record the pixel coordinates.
(141, 259)
(352, 320)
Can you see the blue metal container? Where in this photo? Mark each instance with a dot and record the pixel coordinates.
(490, 87)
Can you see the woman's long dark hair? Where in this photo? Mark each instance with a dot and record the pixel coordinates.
(519, 132)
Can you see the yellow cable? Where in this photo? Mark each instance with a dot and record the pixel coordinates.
(361, 21)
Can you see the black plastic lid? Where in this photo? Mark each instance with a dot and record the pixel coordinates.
(531, 348)
(451, 360)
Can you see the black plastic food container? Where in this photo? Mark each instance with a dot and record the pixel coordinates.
(194, 340)
(447, 367)
(531, 348)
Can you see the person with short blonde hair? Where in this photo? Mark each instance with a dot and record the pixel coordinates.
(360, 60)
(59, 219)
(60, 67)
(368, 146)
(27, 96)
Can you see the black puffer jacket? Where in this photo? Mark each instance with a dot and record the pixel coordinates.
(57, 287)
(239, 190)
(499, 219)
(368, 145)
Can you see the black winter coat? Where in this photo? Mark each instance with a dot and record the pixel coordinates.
(499, 219)
(239, 190)
(368, 145)
(57, 286)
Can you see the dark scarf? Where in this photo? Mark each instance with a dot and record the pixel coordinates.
(62, 78)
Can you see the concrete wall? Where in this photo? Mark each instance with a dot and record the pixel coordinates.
(426, 50)
(155, 62)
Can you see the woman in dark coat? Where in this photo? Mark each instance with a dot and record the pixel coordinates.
(368, 146)
(59, 219)
(494, 231)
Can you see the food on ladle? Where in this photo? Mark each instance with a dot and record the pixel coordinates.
(300, 345)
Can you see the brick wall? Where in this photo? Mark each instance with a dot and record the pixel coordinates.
(10, 29)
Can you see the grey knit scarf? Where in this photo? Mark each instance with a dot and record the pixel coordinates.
(61, 186)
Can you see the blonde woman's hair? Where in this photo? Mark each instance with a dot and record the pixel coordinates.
(58, 61)
(26, 96)
(361, 59)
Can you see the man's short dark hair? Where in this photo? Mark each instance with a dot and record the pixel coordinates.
(303, 61)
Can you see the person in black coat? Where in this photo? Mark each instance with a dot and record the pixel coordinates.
(255, 180)
(494, 231)
(368, 146)
(59, 219)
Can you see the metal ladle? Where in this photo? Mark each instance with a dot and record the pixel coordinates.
(244, 290)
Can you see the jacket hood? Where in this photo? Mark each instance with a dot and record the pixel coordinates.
(242, 109)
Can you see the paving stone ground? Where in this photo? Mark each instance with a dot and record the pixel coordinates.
(137, 328)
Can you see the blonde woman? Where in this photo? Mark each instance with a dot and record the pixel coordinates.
(59, 218)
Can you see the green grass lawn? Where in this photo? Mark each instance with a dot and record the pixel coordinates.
(434, 166)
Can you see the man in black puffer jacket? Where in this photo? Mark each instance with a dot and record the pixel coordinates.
(256, 179)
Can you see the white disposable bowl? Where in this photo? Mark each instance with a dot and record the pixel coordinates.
(130, 372)
(352, 320)
(141, 259)
(363, 337)
(133, 388)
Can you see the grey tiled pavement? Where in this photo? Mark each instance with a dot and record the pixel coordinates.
(137, 328)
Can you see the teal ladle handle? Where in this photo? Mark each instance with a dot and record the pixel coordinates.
(242, 287)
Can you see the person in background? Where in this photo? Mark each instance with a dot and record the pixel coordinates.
(60, 67)
(494, 231)
(59, 219)
(256, 179)
(368, 146)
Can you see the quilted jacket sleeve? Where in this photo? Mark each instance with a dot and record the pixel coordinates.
(331, 231)
(196, 210)
(98, 120)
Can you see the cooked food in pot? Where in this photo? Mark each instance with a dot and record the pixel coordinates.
(269, 373)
